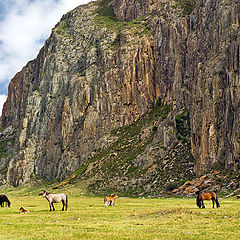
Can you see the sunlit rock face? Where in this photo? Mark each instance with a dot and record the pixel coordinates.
(106, 64)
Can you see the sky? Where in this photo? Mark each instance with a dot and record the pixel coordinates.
(24, 27)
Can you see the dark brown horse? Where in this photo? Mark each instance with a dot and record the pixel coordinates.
(4, 199)
(206, 196)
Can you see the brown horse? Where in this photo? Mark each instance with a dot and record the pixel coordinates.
(4, 198)
(206, 196)
(110, 200)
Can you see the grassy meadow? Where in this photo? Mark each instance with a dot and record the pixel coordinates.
(131, 218)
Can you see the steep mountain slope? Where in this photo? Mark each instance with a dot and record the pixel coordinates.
(134, 94)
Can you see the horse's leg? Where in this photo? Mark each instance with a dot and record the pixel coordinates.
(213, 200)
(66, 202)
(66, 205)
(203, 206)
(53, 207)
(63, 205)
(50, 206)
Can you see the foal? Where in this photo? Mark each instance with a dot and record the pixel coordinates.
(55, 198)
(22, 210)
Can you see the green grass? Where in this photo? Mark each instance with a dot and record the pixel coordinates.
(88, 218)
(183, 126)
(186, 5)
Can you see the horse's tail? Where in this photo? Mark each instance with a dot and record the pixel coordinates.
(66, 202)
(217, 203)
(198, 201)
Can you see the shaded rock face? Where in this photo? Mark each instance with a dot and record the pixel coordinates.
(215, 99)
(96, 73)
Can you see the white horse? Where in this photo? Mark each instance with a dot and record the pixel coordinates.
(56, 198)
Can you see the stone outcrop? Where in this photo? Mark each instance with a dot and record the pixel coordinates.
(190, 188)
(214, 181)
(105, 65)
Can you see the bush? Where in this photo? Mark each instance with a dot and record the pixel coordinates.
(170, 186)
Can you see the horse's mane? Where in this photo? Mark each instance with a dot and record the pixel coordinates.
(47, 193)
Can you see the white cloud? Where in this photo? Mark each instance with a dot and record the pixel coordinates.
(23, 28)
(3, 98)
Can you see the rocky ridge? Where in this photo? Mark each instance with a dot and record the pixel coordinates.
(215, 181)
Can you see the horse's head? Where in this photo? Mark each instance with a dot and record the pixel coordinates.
(43, 193)
(114, 196)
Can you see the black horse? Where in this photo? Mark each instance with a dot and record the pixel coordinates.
(4, 199)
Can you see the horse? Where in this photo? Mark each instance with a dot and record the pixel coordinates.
(4, 198)
(206, 196)
(110, 200)
(22, 210)
(56, 198)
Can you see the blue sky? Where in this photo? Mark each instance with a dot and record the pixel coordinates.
(24, 26)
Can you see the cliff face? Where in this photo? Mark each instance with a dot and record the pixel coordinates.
(104, 66)
(215, 98)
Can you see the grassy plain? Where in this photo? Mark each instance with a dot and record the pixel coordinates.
(88, 218)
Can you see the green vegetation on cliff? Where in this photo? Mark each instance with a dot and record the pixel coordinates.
(186, 5)
(105, 16)
(118, 158)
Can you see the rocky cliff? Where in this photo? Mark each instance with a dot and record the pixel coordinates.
(134, 94)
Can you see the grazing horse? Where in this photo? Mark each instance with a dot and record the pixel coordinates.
(110, 200)
(55, 198)
(206, 196)
(4, 198)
